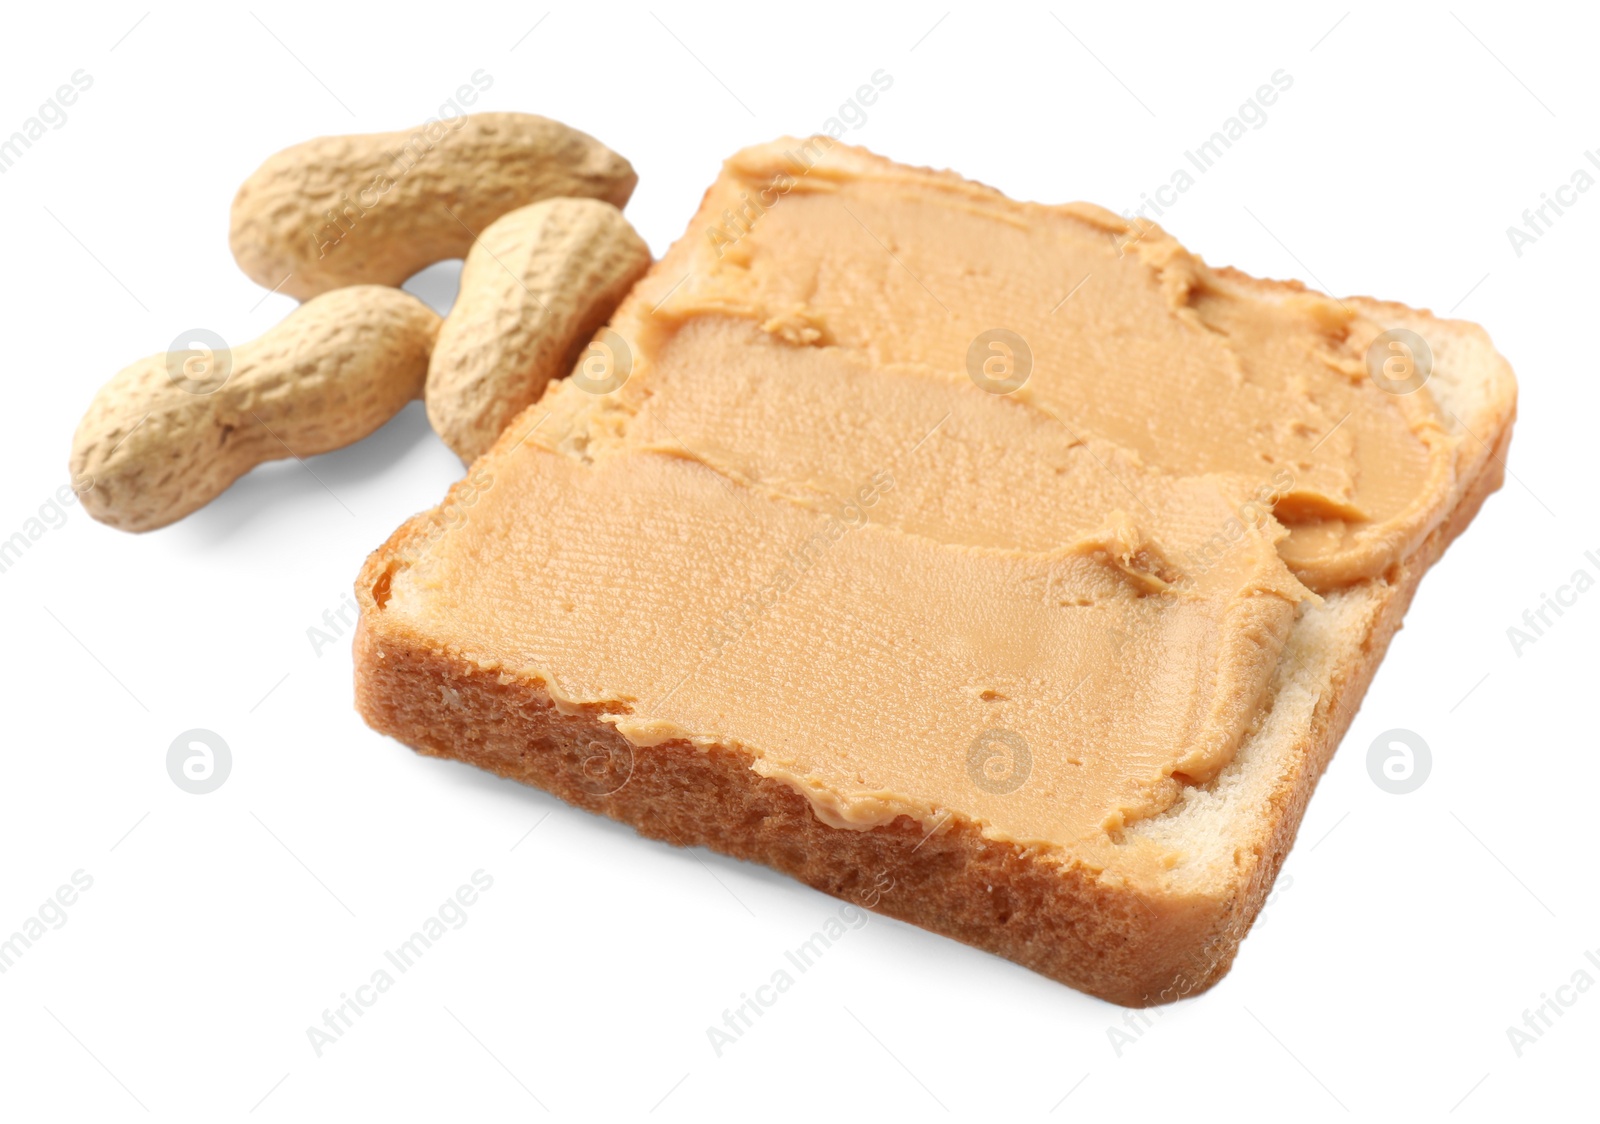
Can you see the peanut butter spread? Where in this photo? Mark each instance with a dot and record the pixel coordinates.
(934, 503)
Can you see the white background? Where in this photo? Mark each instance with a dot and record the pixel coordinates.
(1407, 933)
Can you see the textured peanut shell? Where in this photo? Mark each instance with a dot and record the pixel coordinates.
(377, 207)
(148, 452)
(534, 289)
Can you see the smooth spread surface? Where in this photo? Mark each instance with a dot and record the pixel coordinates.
(801, 528)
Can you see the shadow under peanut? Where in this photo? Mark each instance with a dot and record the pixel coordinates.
(288, 486)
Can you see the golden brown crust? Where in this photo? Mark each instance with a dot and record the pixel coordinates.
(1065, 921)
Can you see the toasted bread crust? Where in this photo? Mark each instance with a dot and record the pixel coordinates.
(1083, 927)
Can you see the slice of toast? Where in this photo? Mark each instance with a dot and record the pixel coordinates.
(717, 586)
